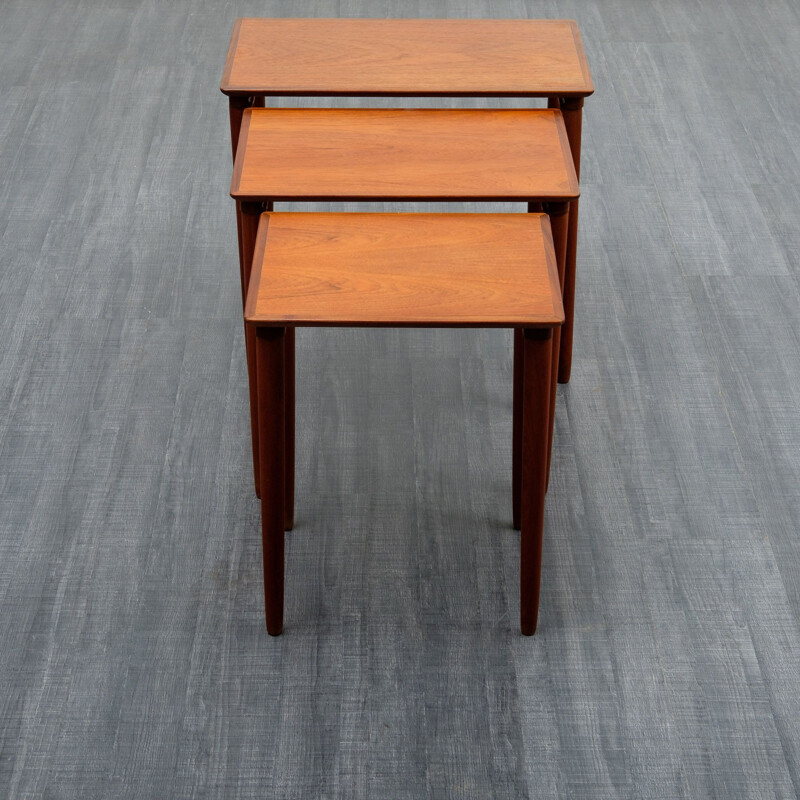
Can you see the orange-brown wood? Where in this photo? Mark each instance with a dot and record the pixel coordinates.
(518, 389)
(404, 57)
(270, 351)
(249, 215)
(559, 225)
(288, 481)
(388, 154)
(236, 106)
(558, 213)
(536, 412)
(437, 270)
(572, 109)
(249, 227)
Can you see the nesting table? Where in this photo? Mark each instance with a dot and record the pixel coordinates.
(403, 270)
(367, 269)
(407, 154)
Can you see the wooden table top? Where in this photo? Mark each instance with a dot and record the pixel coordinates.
(404, 270)
(407, 57)
(324, 154)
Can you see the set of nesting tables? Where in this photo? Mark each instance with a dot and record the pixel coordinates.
(488, 270)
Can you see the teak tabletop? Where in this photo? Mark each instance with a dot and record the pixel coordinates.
(420, 270)
(413, 154)
(407, 57)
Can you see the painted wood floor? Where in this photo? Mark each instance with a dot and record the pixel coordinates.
(133, 657)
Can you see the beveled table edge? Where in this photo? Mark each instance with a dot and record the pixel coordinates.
(555, 91)
(572, 193)
(258, 263)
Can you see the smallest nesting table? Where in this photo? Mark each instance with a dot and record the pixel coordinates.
(403, 270)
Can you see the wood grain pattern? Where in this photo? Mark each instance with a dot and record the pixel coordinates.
(452, 57)
(464, 270)
(433, 154)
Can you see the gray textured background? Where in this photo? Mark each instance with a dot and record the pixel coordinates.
(134, 661)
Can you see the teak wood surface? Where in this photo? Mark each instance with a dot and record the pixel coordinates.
(407, 57)
(420, 270)
(414, 154)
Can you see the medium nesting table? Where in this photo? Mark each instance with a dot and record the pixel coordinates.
(323, 154)
(403, 270)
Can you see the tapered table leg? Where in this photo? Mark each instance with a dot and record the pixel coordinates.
(536, 413)
(516, 433)
(559, 226)
(236, 107)
(558, 213)
(288, 502)
(270, 350)
(250, 216)
(534, 207)
(572, 109)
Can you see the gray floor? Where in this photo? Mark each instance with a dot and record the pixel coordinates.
(134, 660)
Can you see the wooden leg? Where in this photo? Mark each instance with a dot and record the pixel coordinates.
(288, 502)
(559, 225)
(536, 413)
(236, 107)
(516, 434)
(270, 350)
(241, 254)
(565, 362)
(554, 102)
(247, 218)
(572, 109)
(534, 207)
(250, 216)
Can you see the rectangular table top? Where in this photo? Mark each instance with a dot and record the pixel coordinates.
(320, 154)
(404, 270)
(407, 57)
